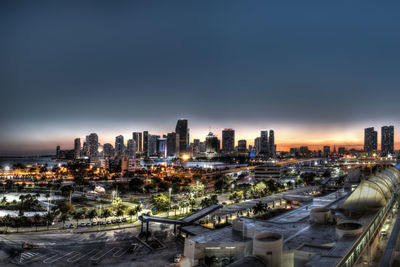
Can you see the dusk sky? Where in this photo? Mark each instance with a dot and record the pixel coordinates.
(315, 72)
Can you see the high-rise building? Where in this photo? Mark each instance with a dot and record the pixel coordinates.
(212, 143)
(195, 148)
(173, 145)
(93, 147)
(183, 131)
(146, 144)
(162, 147)
(370, 139)
(228, 140)
(108, 150)
(327, 150)
(242, 146)
(152, 145)
(137, 136)
(131, 149)
(119, 146)
(58, 152)
(77, 148)
(271, 143)
(264, 146)
(387, 142)
(257, 146)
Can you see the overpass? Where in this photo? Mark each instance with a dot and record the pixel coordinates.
(181, 222)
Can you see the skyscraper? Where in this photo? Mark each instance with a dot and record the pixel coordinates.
(93, 147)
(152, 145)
(137, 136)
(173, 145)
(327, 150)
(257, 146)
(131, 148)
(108, 150)
(119, 146)
(271, 143)
(182, 129)
(162, 147)
(146, 143)
(228, 140)
(370, 139)
(387, 143)
(77, 148)
(242, 146)
(264, 145)
(212, 143)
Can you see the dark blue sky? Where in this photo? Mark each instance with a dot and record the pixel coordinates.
(113, 67)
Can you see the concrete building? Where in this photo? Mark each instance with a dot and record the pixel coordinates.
(212, 144)
(183, 131)
(162, 147)
(327, 151)
(137, 136)
(108, 150)
(93, 140)
(242, 146)
(387, 142)
(152, 145)
(269, 171)
(370, 140)
(131, 149)
(146, 144)
(77, 148)
(119, 146)
(228, 141)
(173, 142)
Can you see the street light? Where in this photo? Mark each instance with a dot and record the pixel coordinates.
(169, 190)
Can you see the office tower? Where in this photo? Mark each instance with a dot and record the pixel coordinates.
(146, 143)
(370, 139)
(195, 148)
(152, 145)
(264, 149)
(182, 130)
(77, 148)
(242, 146)
(387, 140)
(228, 140)
(162, 147)
(58, 152)
(173, 145)
(119, 146)
(137, 136)
(257, 146)
(108, 150)
(327, 150)
(342, 150)
(131, 149)
(212, 143)
(271, 143)
(93, 147)
(202, 147)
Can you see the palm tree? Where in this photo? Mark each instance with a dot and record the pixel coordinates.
(49, 218)
(91, 215)
(119, 213)
(259, 208)
(182, 206)
(132, 212)
(192, 202)
(37, 218)
(138, 209)
(6, 221)
(175, 207)
(77, 215)
(204, 202)
(106, 213)
(63, 218)
(4, 201)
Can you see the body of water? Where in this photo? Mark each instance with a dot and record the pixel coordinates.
(10, 161)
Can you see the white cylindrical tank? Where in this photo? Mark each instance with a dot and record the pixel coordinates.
(348, 228)
(319, 215)
(268, 246)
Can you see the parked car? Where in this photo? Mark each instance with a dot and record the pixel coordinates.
(118, 220)
(113, 221)
(66, 225)
(88, 224)
(82, 224)
(108, 222)
(94, 223)
(71, 225)
(123, 219)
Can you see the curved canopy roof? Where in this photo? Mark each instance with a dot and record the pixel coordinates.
(373, 192)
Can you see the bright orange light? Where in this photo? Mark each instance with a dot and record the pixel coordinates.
(374, 155)
(185, 157)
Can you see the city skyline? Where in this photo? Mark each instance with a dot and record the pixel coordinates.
(294, 68)
(283, 140)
